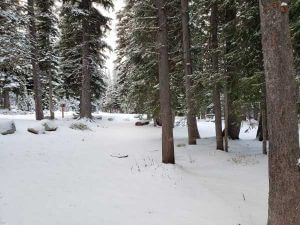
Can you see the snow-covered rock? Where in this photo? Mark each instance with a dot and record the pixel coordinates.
(79, 126)
(7, 127)
(49, 125)
(42, 127)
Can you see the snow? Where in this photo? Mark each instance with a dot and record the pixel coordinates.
(5, 125)
(69, 177)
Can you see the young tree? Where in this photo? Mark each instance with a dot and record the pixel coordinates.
(165, 100)
(193, 132)
(284, 176)
(39, 114)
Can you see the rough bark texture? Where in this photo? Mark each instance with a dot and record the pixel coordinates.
(165, 99)
(6, 100)
(85, 97)
(39, 114)
(51, 108)
(284, 175)
(215, 67)
(193, 132)
(234, 120)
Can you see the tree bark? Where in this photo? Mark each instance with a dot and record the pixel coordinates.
(193, 132)
(234, 119)
(39, 114)
(215, 67)
(264, 129)
(6, 99)
(165, 99)
(51, 108)
(284, 175)
(85, 97)
(226, 118)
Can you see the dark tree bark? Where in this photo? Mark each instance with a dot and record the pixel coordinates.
(234, 120)
(193, 132)
(6, 100)
(226, 119)
(51, 107)
(215, 67)
(85, 96)
(284, 175)
(264, 129)
(165, 99)
(1, 99)
(39, 114)
(259, 133)
(234, 123)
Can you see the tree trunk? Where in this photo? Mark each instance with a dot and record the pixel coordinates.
(215, 67)
(226, 119)
(6, 99)
(39, 114)
(51, 108)
(234, 119)
(259, 133)
(1, 99)
(193, 132)
(234, 123)
(85, 97)
(264, 128)
(284, 175)
(165, 99)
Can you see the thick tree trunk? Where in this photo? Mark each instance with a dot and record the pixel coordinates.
(234, 120)
(215, 66)
(1, 99)
(284, 175)
(193, 132)
(39, 114)
(85, 97)
(6, 99)
(234, 123)
(165, 99)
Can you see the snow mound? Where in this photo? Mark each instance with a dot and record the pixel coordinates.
(42, 126)
(7, 127)
(79, 126)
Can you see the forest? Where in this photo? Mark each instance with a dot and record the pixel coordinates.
(149, 112)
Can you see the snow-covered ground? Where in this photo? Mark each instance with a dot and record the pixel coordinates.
(69, 177)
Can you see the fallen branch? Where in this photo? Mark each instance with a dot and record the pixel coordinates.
(119, 156)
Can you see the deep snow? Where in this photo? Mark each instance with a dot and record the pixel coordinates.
(68, 177)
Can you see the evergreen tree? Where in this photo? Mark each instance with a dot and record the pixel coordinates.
(47, 34)
(82, 51)
(14, 50)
